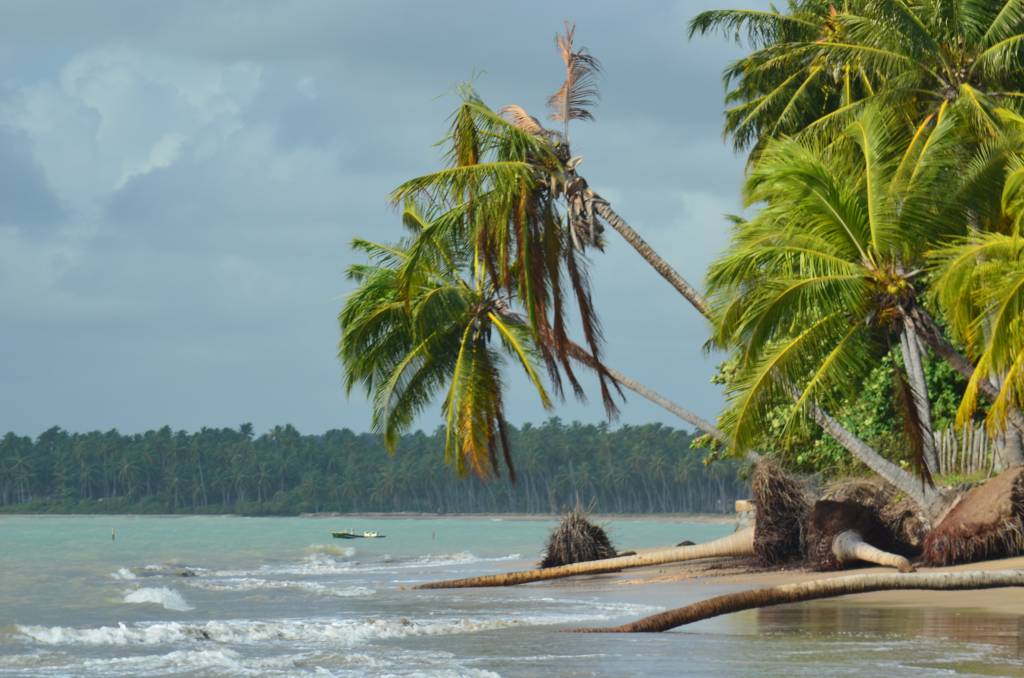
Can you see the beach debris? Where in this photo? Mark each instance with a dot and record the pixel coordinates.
(987, 523)
(576, 540)
(841, 532)
(815, 590)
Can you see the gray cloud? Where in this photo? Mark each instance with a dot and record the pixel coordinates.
(182, 180)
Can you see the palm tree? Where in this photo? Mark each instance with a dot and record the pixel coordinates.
(429, 320)
(815, 66)
(980, 286)
(825, 278)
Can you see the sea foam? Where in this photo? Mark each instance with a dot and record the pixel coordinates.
(245, 632)
(258, 583)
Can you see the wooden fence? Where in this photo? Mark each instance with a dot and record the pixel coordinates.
(966, 451)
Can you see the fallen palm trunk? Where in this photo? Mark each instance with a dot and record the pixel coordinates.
(739, 543)
(838, 533)
(781, 508)
(814, 590)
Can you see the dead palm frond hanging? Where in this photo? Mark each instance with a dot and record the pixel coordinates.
(579, 93)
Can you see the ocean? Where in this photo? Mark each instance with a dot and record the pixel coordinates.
(234, 596)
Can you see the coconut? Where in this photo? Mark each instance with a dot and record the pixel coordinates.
(576, 540)
(987, 523)
(783, 503)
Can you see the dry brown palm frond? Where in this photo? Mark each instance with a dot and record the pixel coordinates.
(579, 92)
(518, 116)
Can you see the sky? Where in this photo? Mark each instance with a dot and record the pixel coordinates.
(179, 183)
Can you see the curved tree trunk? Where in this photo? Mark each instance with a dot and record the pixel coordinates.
(849, 546)
(739, 543)
(582, 355)
(816, 589)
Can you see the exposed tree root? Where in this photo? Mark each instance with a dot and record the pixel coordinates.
(987, 523)
(842, 532)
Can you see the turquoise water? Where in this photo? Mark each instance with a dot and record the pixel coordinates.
(279, 596)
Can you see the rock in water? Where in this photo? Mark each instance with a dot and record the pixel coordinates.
(576, 540)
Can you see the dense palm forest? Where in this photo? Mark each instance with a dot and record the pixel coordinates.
(630, 469)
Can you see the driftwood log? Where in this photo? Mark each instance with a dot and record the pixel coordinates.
(815, 590)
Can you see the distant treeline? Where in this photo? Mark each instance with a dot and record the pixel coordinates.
(632, 469)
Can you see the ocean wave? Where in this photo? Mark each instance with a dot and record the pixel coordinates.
(258, 583)
(324, 562)
(168, 598)
(124, 574)
(331, 550)
(246, 632)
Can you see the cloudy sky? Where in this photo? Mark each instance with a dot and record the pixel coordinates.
(179, 183)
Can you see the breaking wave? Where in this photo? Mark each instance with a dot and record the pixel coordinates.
(257, 583)
(168, 598)
(246, 632)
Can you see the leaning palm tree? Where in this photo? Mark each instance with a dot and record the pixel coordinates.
(826, 277)
(817, 64)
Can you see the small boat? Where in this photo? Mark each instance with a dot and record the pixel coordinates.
(348, 534)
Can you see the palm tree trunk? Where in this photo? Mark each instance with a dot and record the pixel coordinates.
(933, 501)
(911, 349)
(817, 589)
(739, 543)
(577, 352)
(612, 218)
(849, 546)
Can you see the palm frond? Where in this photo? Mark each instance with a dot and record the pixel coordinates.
(578, 93)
